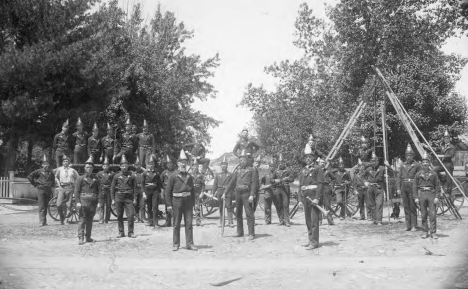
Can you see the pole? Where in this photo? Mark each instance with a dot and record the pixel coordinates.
(384, 136)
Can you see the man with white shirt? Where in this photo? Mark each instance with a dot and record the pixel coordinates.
(65, 177)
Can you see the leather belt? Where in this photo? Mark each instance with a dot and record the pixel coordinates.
(182, 195)
(80, 145)
(361, 187)
(145, 146)
(219, 187)
(426, 188)
(242, 187)
(66, 184)
(374, 184)
(197, 186)
(150, 184)
(125, 192)
(310, 187)
(407, 180)
(87, 194)
(138, 185)
(106, 186)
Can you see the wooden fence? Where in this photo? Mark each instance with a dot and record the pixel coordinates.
(4, 187)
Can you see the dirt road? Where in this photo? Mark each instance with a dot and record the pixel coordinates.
(353, 254)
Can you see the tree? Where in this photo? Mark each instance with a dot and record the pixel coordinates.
(61, 60)
(319, 92)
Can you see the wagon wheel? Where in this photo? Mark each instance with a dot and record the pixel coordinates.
(456, 198)
(53, 210)
(73, 212)
(293, 200)
(351, 204)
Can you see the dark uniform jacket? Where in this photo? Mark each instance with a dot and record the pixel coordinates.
(250, 147)
(375, 175)
(311, 175)
(245, 177)
(145, 140)
(151, 180)
(105, 178)
(359, 179)
(62, 142)
(87, 184)
(285, 176)
(198, 180)
(179, 182)
(108, 143)
(123, 182)
(139, 180)
(427, 179)
(342, 178)
(448, 151)
(164, 177)
(41, 179)
(80, 139)
(221, 181)
(407, 172)
(128, 142)
(94, 145)
(195, 149)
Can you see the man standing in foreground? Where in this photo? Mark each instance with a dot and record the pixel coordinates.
(220, 183)
(43, 180)
(123, 196)
(86, 196)
(180, 196)
(311, 182)
(105, 180)
(244, 182)
(426, 189)
(65, 177)
(404, 185)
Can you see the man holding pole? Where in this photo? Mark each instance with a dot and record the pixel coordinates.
(281, 178)
(220, 183)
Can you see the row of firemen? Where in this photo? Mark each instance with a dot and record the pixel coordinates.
(181, 190)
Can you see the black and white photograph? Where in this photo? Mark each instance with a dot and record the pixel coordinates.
(234, 144)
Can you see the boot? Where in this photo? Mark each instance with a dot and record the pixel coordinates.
(330, 220)
(81, 240)
(168, 220)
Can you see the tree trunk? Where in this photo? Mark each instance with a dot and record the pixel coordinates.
(29, 161)
(11, 155)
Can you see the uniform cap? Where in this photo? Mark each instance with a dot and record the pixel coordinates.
(78, 122)
(374, 157)
(359, 162)
(182, 156)
(65, 124)
(95, 127)
(259, 158)
(307, 150)
(145, 124)
(409, 150)
(45, 159)
(65, 157)
(341, 160)
(109, 126)
(363, 139)
(137, 161)
(152, 160)
(89, 161)
(311, 137)
(425, 156)
(106, 161)
(446, 133)
(224, 161)
(123, 160)
(128, 122)
(280, 158)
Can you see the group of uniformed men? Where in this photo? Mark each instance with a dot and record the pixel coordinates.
(181, 191)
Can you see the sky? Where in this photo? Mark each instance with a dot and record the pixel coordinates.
(248, 35)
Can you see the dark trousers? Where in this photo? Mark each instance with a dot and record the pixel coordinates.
(139, 204)
(97, 157)
(376, 199)
(448, 183)
(411, 217)
(86, 213)
(426, 202)
(327, 195)
(80, 154)
(152, 204)
(169, 216)
(144, 155)
(59, 156)
(197, 204)
(105, 208)
(219, 194)
(124, 201)
(341, 198)
(242, 202)
(183, 207)
(363, 200)
(270, 198)
(281, 194)
(64, 199)
(43, 197)
(312, 214)
(156, 200)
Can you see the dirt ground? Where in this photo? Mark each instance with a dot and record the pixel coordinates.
(353, 254)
